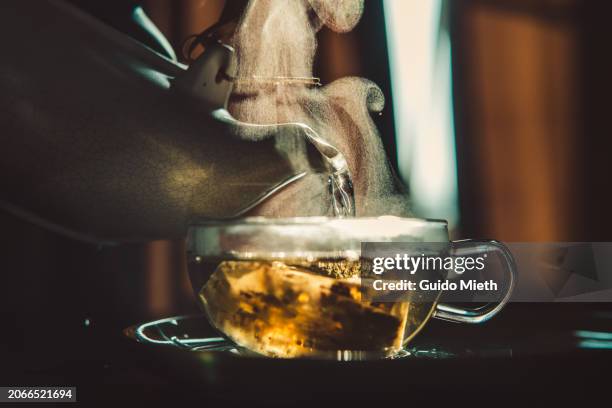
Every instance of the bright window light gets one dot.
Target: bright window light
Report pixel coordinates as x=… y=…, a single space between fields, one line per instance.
x=421 y=77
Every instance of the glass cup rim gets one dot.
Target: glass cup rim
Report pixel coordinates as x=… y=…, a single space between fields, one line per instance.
x=263 y=220
x=324 y=237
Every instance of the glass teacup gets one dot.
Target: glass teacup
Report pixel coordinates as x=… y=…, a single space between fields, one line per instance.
x=292 y=287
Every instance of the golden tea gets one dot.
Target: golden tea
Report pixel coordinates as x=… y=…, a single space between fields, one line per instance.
x=301 y=308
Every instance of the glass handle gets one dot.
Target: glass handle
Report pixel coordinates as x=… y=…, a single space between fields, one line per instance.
x=478 y=315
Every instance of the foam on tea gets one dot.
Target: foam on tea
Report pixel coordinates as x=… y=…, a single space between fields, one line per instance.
x=301 y=309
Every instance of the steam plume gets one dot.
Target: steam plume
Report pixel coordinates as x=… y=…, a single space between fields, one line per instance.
x=277 y=38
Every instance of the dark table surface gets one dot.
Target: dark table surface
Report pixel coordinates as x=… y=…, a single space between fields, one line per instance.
x=530 y=349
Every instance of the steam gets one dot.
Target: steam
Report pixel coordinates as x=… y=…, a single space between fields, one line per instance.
x=277 y=38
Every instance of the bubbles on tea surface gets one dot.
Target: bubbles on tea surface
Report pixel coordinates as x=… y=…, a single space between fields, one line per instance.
x=276 y=44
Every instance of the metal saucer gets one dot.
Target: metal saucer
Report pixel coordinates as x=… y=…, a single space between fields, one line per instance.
x=194 y=333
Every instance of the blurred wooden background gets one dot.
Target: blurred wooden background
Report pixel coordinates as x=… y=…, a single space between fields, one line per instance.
x=531 y=87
